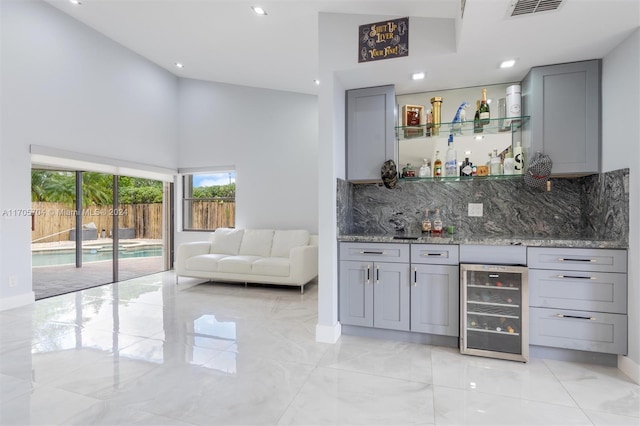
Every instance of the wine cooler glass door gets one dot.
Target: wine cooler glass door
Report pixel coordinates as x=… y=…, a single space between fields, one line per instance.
x=494 y=311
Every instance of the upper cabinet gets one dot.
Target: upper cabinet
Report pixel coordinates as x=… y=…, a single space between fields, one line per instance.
x=370 y=132
x=564 y=104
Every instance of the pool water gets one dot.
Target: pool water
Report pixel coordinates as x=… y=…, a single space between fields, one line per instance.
x=66 y=257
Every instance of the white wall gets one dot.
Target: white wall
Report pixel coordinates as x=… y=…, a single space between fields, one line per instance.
x=270 y=136
x=67 y=87
x=431 y=39
x=620 y=149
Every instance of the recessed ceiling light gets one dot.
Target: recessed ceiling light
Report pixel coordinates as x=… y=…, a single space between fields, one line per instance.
x=258 y=10
x=316 y=82
x=417 y=76
x=508 y=64
x=76 y=2
x=179 y=65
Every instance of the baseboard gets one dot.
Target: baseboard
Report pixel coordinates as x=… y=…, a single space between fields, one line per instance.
x=328 y=333
x=17 y=301
x=629 y=367
x=401 y=336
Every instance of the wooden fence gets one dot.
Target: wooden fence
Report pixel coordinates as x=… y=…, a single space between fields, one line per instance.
x=212 y=214
x=55 y=221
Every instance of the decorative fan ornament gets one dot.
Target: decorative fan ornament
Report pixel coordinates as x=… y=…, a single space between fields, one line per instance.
x=538 y=171
x=389 y=174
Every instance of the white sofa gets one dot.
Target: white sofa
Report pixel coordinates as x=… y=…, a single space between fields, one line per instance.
x=286 y=257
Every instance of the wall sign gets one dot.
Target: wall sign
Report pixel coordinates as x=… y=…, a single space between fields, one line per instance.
x=383 y=40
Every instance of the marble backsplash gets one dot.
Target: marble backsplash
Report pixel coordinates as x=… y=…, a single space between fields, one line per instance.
x=595 y=206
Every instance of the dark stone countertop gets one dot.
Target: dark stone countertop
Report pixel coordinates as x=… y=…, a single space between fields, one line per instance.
x=529 y=241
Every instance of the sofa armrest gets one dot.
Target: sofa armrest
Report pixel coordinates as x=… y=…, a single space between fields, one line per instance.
x=187 y=250
x=304 y=263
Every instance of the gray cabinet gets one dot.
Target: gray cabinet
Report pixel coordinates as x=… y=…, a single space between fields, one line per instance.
x=578 y=299
x=564 y=105
x=370 y=131
x=435 y=289
x=374 y=285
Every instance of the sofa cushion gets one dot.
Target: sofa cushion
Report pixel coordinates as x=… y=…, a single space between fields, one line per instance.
x=256 y=242
x=284 y=241
x=272 y=266
x=226 y=241
x=237 y=264
x=204 y=262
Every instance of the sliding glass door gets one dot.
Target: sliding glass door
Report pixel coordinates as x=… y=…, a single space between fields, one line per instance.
x=91 y=228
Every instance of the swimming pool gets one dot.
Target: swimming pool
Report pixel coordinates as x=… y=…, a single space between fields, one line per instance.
x=91 y=254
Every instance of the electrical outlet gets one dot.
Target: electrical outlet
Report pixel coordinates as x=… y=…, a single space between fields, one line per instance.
x=13 y=281
x=475 y=210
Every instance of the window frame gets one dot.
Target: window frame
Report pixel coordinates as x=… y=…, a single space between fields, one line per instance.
x=188 y=198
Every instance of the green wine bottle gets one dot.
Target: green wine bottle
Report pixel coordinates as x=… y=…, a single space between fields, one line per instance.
x=477 y=126
x=485 y=116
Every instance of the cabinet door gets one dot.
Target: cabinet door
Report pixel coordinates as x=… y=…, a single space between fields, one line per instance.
x=356 y=293
x=391 y=296
x=564 y=104
x=370 y=131
x=435 y=299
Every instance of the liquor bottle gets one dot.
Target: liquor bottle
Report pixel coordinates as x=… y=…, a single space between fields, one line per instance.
x=495 y=164
x=437 y=165
x=429 y=119
x=485 y=116
x=408 y=172
x=425 y=169
x=477 y=125
x=518 y=156
x=437 y=223
x=451 y=163
x=466 y=168
x=509 y=163
x=426 y=222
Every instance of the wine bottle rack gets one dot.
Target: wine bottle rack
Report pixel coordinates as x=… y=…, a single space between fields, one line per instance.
x=494 y=311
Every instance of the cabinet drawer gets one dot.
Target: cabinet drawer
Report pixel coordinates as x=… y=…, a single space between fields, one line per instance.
x=386 y=252
x=440 y=254
x=587 y=291
x=493 y=255
x=581 y=330
x=575 y=259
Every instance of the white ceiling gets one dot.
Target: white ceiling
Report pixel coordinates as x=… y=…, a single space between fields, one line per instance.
x=224 y=41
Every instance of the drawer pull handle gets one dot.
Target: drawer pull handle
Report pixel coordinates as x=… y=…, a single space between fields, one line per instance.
x=368 y=274
x=377 y=275
x=562 y=259
x=415 y=277
x=372 y=252
x=575 y=317
x=440 y=254
x=575 y=277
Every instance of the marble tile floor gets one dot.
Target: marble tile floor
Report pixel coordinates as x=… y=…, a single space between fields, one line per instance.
x=148 y=352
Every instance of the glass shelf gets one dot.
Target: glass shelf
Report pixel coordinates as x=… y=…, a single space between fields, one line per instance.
x=461 y=178
x=495 y=126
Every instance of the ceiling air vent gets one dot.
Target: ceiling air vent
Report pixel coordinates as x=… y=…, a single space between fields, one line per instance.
x=524 y=7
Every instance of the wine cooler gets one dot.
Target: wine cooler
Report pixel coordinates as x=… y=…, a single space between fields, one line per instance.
x=494 y=320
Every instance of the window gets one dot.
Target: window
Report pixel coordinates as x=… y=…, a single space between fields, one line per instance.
x=209 y=200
